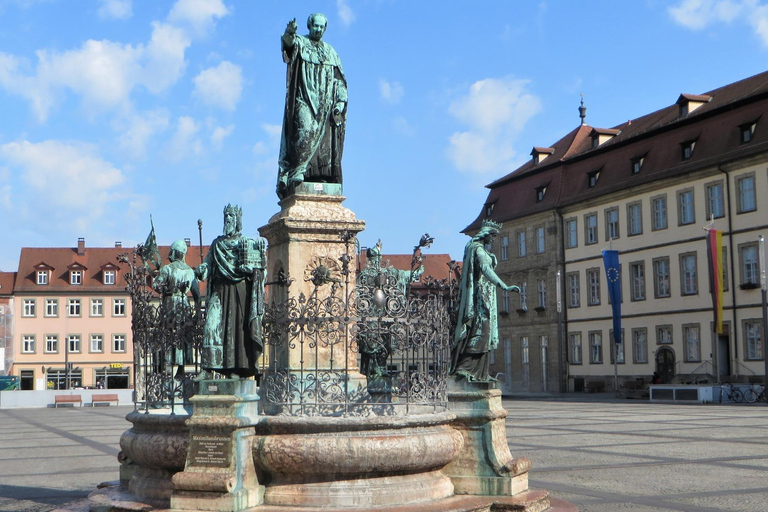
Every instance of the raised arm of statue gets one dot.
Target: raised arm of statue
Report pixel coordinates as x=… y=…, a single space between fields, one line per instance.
x=486 y=263
x=289 y=36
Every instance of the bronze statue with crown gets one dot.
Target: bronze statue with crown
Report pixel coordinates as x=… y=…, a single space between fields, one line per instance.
x=477 y=324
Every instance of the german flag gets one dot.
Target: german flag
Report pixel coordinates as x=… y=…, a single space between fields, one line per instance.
x=715 y=257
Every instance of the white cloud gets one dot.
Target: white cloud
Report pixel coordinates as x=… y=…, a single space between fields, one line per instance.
x=346 y=14
x=496 y=111
x=700 y=14
x=402 y=126
x=103 y=73
x=137 y=130
x=391 y=92
x=200 y=15
x=219 y=134
x=115 y=9
x=71 y=183
x=220 y=86
x=185 y=142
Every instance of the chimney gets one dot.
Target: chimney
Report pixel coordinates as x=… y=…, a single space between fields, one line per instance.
x=81 y=246
x=188 y=241
x=118 y=244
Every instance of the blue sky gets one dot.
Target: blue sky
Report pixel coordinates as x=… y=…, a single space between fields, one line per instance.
x=112 y=110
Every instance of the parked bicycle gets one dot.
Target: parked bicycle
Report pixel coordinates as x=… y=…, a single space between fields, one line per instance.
x=731 y=393
x=754 y=393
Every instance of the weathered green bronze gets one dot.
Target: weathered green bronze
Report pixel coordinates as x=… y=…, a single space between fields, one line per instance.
x=391 y=284
x=174 y=281
x=477 y=330
x=315 y=109
x=235 y=270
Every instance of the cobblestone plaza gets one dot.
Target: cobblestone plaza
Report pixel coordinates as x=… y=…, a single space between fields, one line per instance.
x=602 y=454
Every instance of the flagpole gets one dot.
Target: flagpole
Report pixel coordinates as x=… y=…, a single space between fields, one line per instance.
x=200 y=234
x=764 y=290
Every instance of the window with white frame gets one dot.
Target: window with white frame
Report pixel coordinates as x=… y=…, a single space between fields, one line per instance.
x=659 y=206
x=574 y=341
x=637 y=274
x=118 y=343
x=504 y=248
x=753 y=339
x=634 y=219
x=573 y=290
x=640 y=345
x=572 y=234
x=593 y=279
x=75 y=277
x=692 y=343
x=525 y=359
x=590 y=228
x=109 y=277
x=28 y=344
x=542 y=285
x=73 y=307
x=118 y=307
x=750 y=267
x=595 y=347
x=97 y=307
x=664 y=334
x=689 y=275
x=51 y=343
x=51 y=307
x=746 y=185
x=661 y=277
x=611 y=223
x=42 y=277
x=522 y=250
x=73 y=343
x=685 y=205
x=715 y=200
x=28 y=307
x=97 y=343
x=540 y=245
x=617 y=348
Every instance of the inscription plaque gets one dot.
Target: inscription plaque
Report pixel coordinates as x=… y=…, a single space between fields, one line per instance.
x=210 y=451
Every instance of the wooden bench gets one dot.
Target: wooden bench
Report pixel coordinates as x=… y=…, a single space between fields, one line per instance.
x=67 y=399
x=105 y=399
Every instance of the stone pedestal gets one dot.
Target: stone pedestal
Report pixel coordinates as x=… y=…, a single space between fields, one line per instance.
x=485 y=465
x=305 y=242
x=219 y=473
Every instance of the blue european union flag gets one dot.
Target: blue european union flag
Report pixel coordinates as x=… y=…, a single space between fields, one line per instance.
x=613 y=275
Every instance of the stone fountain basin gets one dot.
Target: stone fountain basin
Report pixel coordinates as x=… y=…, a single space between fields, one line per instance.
x=355 y=461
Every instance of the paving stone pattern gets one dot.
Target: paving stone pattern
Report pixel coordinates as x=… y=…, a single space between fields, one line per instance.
x=602 y=454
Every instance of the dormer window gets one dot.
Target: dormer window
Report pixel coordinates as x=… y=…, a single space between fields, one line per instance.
x=540 y=191
x=75 y=277
x=109 y=273
x=602 y=135
x=42 y=277
x=747 y=131
x=637 y=164
x=109 y=277
x=539 y=154
x=592 y=178
x=690 y=102
x=687 y=148
x=489 y=209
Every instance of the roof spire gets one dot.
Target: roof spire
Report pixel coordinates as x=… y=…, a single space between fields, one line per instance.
x=582 y=110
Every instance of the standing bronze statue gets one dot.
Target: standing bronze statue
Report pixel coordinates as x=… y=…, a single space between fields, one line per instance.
x=314 y=120
x=477 y=329
x=234 y=269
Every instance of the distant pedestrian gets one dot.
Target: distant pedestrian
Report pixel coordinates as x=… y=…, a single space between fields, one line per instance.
x=656 y=379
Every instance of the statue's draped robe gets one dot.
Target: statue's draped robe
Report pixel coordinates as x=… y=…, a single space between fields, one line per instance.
x=311 y=145
x=477 y=324
x=232 y=341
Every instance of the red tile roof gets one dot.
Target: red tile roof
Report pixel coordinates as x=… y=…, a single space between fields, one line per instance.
x=435 y=265
x=656 y=137
x=7 y=280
